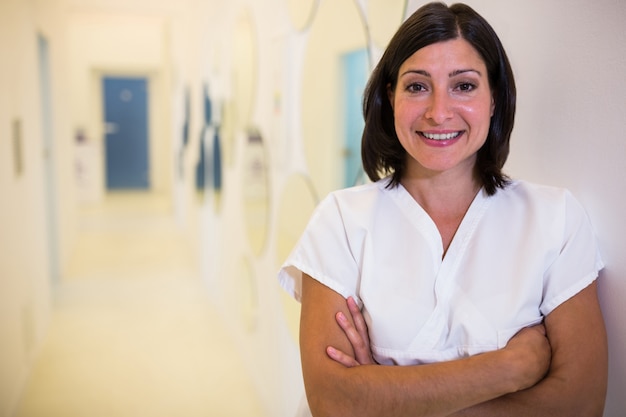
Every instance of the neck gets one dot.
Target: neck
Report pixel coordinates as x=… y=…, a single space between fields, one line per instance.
x=446 y=202
x=439 y=194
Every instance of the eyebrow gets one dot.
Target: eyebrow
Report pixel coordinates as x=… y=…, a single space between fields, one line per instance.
x=452 y=74
x=463 y=71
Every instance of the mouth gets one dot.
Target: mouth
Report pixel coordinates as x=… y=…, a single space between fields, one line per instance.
x=441 y=136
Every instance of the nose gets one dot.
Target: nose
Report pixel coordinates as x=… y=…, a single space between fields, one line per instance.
x=439 y=107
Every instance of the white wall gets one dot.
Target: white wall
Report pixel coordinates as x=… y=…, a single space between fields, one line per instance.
x=568 y=61
x=25 y=275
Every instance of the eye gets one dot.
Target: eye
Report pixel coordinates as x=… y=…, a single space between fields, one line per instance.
x=465 y=87
x=415 y=88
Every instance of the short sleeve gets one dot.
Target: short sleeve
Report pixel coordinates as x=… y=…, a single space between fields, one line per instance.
x=578 y=262
x=322 y=252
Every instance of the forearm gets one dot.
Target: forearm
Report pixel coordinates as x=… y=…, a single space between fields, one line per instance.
x=553 y=397
x=426 y=390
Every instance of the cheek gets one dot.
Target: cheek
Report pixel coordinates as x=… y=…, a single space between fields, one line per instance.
x=478 y=116
x=405 y=114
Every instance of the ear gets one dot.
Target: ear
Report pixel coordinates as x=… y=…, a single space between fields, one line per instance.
x=493 y=105
x=390 y=95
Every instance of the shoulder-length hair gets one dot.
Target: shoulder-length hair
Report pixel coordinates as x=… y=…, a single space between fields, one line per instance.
x=381 y=151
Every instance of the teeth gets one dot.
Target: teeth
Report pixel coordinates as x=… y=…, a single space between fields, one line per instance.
x=442 y=136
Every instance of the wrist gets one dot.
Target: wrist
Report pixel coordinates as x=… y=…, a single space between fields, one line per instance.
x=515 y=373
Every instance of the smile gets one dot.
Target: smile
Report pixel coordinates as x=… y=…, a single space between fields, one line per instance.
x=441 y=136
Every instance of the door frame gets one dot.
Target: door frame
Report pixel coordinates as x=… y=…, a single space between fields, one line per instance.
x=49 y=157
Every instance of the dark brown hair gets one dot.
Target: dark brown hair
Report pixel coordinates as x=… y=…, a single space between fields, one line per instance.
x=381 y=151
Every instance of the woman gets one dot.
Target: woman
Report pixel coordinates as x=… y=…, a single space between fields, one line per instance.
x=467 y=293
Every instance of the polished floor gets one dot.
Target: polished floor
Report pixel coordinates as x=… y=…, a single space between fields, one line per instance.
x=132 y=331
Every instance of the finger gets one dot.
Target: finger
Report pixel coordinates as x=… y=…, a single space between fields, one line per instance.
x=341 y=357
x=359 y=321
x=348 y=328
x=363 y=354
x=360 y=347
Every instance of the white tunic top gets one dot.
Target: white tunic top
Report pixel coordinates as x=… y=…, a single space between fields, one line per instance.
x=516 y=256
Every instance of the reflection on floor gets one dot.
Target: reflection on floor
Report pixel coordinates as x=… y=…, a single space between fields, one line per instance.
x=132 y=331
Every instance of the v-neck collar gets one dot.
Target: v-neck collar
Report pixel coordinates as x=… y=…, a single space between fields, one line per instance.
x=421 y=220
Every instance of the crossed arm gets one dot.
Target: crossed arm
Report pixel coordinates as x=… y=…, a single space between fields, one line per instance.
x=345 y=381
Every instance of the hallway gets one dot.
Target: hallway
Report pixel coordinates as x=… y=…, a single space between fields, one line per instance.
x=132 y=330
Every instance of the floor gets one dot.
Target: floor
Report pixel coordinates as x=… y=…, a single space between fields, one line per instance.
x=133 y=332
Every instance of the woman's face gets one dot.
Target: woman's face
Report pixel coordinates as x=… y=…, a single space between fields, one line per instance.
x=442 y=107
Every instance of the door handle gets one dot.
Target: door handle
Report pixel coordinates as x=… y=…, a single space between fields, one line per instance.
x=111 y=128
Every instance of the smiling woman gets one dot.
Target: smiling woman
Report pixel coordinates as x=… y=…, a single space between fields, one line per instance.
x=442 y=259
x=442 y=106
x=383 y=153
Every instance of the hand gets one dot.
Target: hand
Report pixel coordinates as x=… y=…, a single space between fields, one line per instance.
x=533 y=354
x=358 y=336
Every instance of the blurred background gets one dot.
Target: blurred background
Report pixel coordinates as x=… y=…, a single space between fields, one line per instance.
x=159 y=159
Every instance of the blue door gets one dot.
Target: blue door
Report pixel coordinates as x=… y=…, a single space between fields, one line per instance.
x=355 y=65
x=126 y=121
